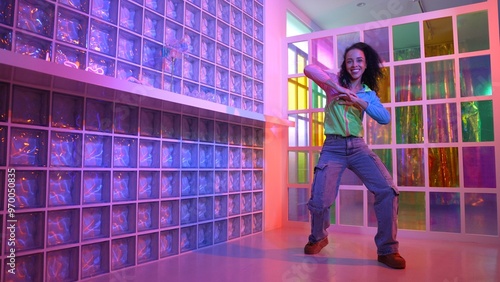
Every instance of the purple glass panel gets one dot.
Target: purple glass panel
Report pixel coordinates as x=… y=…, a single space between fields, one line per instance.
x=479 y=167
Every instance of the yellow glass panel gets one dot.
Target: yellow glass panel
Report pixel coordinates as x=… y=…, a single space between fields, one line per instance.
x=384 y=84
x=443 y=167
x=438 y=37
x=318 y=135
x=412 y=210
x=292 y=94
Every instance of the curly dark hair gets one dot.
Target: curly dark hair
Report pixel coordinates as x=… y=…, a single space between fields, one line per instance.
x=373 y=70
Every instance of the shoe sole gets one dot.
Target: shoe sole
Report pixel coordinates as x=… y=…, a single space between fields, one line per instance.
x=321 y=245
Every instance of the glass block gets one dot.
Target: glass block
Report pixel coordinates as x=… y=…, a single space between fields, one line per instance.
x=258 y=90
x=247 y=65
x=207 y=73
x=63 y=227
x=208 y=24
x=64 y=188
x=258 y=180
x=151 y=78
x=223 y=11
x=258 y=32
x=438 y=45
x=169 y=243
x=234 y=134
x=95 y=259
x=258 y=12
x=124 y=152
x=156 y=5
x=247 y=45
x=378 y=38
x=170 y=154
x=126 y=119
x=247 y=25
x=205 y=234
x=153 y=26
x=234 y=157
x=257 y=201
x=222 y=55
x=247 y=105
x=131 y=16
x=258 y=51
x=188 y=211
x=233 y=204
x=412 y=213
x=440 y=77
x=191 y=68
x=258 y=137
x=222 y=78
x=34 y=47
x=233 y=228
x=129 y=47
x=236 y=39
x=209 y=94
x=124 y=185
x=122 y=252
x=149 y=185
x=442 y=123
x=206 y=183
x=246 y=225
x=408 y=82
x=258 y=70
x=475 y=76
x=235 y=82
x=99 y=115
x=150 y=123
x=258 y=158
x=479 y=167
x=247 y=135
x=175 y=10
x=221 y=182
x=234 y=181
x=67 y=111
x=406 y=41
x=208 y=6
x=101 y=65
x=377 y=133
x=30 y=105
x=222 y=97
x=147 y=247
x=205 y=208
x=477 y=121
x=444 y=212
x=149 y=153
x=152 y=56
x=96 y=187
x=5 y=37
x=106 y=10
x=410 y=164
x=28 y=147
x=247 y=87
x=37 y=17
x=30 y=189
x=191 y=89
x=220 y=207
x=65 y=149
x=246 y=203
x=72 y=27
x=248 y=7
x=102 y=37
x=147 y=216
x=123 y=219
x=169 y=213
x=188 y=238
x=246 y=159
x=409 y=125
x=257 y=225
x=237 y=3
x=236 y=17
x=170 y=184
x=62 y=265
x=7 y=12
x=222 y=33
x=206 y=156
x=95 y=223
x=220 y=231
x=192 y=17
x=189 y=185
x=207 y=49
x=170 y=126
x=481 y=211
x=27 y=267
x=190 y=128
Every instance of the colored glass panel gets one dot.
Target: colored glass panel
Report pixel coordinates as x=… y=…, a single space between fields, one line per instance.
x=298 y=167
x=475 y=76
x=298 y=98
x=297 y=204
x=438 y=37
x=411 y=210
x=377 y=133
x=409 y=125
x=410 y=167
x=479 y=167
x=481 y=213
x=378 y=38
x=299 y=135
x=473 y=32
x=384 y=86
x=442 y=123
x=322 y=52
x=408 y=82
x=440 y=77
x=297 y=57
x=351 y=207
x=385 y=156
x=443 y=167
x=444 y=212
x=477 y=121
x=318 y=96
x=318 y=135
x=406 y=41
x=333 y=213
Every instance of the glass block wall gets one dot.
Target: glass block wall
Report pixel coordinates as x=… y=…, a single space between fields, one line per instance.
x=208 y=49
x=440 y=145
x=97 y=179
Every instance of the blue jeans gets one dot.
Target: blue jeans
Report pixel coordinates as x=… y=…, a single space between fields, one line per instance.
x=337 y=154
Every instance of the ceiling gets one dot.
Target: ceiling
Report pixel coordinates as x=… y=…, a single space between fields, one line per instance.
x=328 y=14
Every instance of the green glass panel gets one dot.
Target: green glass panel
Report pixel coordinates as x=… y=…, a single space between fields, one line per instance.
x=298 y=136
x=440 y=77
x=351 y=207
x=385 y=156
x=343 y=42
x=322 y=52
x=378 y=38
x=298 y=167
x=406 y=41
x=333 y=218
x=408 y=82
x=318 y=135
x=473 y=32
x=409 y=125
x=475 y=76
x=410 y=167
x=442 y=123
x=438 y=37
x=411 y=210
x=477 y=121
x=377 y=133
x=384 y=84
x=444 y=212
x=481 y=213
x=443 y=167
x=318 y=96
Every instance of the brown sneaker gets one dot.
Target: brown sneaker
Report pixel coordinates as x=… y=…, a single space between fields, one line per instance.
x=314 y=248
x=393 y=260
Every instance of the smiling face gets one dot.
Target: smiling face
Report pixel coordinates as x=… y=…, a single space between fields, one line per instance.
x=355 y=63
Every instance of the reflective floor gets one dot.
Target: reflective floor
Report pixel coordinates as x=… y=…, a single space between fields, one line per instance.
x=277 y=255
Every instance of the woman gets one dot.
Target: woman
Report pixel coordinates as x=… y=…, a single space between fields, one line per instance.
x=349 y=95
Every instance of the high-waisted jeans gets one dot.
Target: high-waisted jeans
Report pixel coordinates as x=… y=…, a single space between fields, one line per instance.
x=337 y=154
